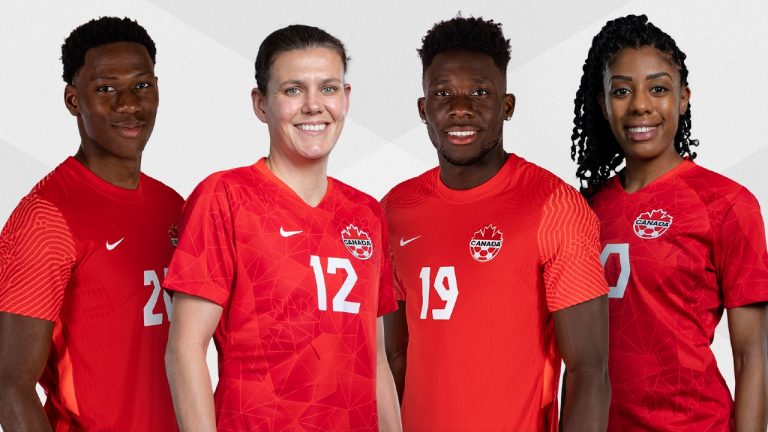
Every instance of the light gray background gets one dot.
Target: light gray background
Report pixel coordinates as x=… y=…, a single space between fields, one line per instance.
x=205 y=64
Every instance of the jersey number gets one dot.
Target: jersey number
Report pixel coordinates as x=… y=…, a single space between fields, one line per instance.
x=622 y=249
x=152 y=280
x=340 y=303
x=446 y=287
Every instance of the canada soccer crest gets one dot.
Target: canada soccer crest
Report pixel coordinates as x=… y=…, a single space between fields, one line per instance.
x=486 y=243
x=652 y=224
x=357 y=242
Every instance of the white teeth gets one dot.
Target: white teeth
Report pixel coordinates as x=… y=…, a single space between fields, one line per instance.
x=462 y=133
x=312 y=127
x=641 y=129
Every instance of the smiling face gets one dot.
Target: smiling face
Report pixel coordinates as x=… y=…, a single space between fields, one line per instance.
x=464 y=106
x=305 y=103
x=643 y=100
x=114 y=98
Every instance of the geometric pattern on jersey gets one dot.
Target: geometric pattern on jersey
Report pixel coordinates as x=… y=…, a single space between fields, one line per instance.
x=251 y=245
x=481 y=350
x=90 y=257
x=712 y=255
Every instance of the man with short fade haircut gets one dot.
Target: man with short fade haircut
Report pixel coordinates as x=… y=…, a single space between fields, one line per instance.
x=85 y=252
x=496 y=263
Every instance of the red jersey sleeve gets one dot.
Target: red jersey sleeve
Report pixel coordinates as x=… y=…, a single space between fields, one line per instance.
x=740 y=253
x=37 y=254
x=569 y=244
x=387 y=302
x=204 y=261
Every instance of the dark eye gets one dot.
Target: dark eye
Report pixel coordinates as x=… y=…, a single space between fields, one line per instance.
x=620 y=92
x=105 y=88
x=659 y=89
x=480 y=92
x=441 y=93
x=143 y=85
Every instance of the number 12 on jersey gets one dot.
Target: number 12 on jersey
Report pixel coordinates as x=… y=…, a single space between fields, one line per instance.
x=446 y=287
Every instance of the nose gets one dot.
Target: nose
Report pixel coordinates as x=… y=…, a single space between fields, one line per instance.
x=312 y=103
x=641 y=103
x=127 y=101
x=461 y=106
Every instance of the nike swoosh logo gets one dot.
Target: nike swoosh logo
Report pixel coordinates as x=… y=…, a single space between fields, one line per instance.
x=285 y=233
x=404 y=242
x=111 y=246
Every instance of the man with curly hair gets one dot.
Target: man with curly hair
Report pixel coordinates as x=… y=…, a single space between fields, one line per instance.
x=83 y=255
x=496 y=263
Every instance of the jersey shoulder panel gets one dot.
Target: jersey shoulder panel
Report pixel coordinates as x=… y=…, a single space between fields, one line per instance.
x=410 y=192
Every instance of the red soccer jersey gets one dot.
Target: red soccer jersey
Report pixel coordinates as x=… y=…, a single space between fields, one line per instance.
x=90 y=256
x=481 y=272
x=677 y=251
x=301 y=289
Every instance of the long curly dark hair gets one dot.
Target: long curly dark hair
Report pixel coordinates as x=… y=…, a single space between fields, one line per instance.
x=594 y=148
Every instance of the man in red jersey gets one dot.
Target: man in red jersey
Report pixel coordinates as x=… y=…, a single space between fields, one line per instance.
x=286 y=268
x=84 y=255
x=496 y=263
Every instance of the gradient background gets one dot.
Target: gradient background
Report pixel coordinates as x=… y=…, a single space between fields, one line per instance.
x=205 y=65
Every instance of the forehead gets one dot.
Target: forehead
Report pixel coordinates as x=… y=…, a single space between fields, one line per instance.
x=461 y=65
x=644 y=61
x=117 y=59
x=295 y=64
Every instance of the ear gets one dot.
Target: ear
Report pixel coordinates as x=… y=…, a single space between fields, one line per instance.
x=685 y=97
x=509 y=105
x=347 y=93
x=259 y=100
x=601 y=101
x=422 y=111
x=71 y=100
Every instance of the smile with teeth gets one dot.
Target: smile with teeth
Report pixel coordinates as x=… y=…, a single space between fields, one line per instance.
x=312 y=127
x=462 y=133
x=641 y=129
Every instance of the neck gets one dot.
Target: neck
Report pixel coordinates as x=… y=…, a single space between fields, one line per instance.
x=308 y=179
x=461 y=177
x=122 y=173
x=640 y=173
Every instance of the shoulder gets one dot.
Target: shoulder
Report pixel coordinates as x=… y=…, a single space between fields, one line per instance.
x=717 y=190
x=227 y=180
x=411 y=190
x=354 y=195
x=159 y=188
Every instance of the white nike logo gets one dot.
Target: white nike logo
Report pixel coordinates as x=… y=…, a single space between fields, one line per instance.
x=111 y=246
x=405 y=242
x=285 y=233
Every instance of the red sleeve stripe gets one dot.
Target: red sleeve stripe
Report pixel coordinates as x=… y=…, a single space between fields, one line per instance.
x=37 y=253
x=569 y=247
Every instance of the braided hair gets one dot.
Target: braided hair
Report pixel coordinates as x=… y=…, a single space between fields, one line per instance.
x=594 y=148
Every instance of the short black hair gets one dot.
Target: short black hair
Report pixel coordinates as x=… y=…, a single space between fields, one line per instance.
x=471 y=34
x=293 y=37
x=97 y=32
x=593 y=146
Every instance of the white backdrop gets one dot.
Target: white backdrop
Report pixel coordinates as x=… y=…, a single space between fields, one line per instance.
x=205 y=64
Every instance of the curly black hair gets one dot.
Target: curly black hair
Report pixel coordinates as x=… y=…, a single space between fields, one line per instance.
x=97 y=32
x=594 y=148
x=472 y=34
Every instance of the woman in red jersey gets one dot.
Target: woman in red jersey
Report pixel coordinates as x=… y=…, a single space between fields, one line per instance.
x=285 y=268
x=680 y=243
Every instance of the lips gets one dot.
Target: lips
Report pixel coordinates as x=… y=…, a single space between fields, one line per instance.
x=129 y=128
x=461 y=135
x=642 y=132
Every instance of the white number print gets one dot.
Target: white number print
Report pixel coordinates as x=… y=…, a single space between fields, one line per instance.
x=152 y=280
x=622 y=249
x=447 y=293
x=340 y=303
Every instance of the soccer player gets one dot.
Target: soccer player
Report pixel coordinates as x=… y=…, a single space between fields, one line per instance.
x=680 y=243
x=286 y=268
x=82 y=257
x=496 y=262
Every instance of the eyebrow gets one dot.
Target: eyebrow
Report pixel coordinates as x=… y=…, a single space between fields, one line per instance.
x=302 y=82
x=647 y=77
x=440 y=81
x=112 y=77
